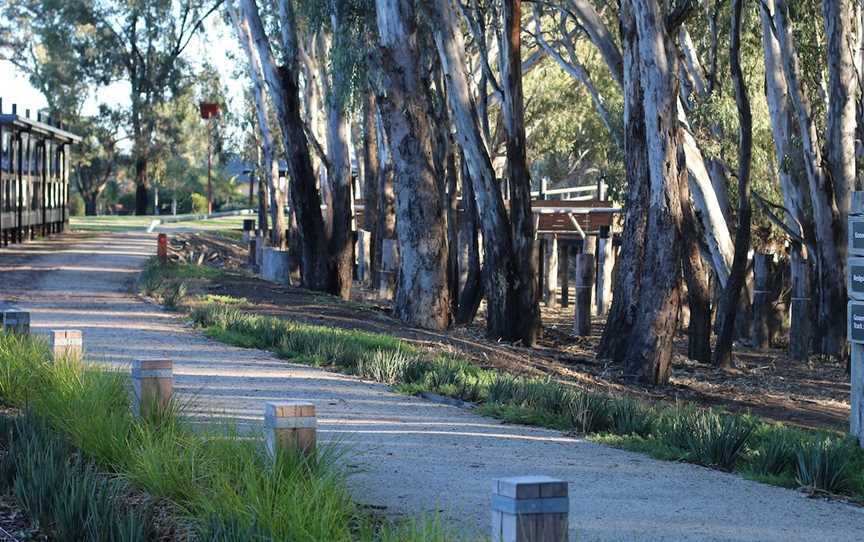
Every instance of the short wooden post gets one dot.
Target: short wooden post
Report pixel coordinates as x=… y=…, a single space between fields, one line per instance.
x=762 y=300
x=800 y=311
x=290 y=426
x=550 y=271
x=389 y=268
x=855 y=315
x=67 y=344
x=162 y=248
x=530 y=509
x=152 y=384
x=564 y=274
x=15 y=321
x=582 y=298
x=605 y=263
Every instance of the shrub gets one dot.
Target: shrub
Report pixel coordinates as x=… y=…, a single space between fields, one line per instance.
x=775 y=453
x=631 y=417
x=823 y=465
x=174 y=295
x=199 y=204
x=718 y=439
x=589 y=412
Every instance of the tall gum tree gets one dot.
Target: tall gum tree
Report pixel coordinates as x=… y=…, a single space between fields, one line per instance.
x=422 y=294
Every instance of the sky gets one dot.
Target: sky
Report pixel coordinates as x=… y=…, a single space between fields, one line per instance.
x=216 y=45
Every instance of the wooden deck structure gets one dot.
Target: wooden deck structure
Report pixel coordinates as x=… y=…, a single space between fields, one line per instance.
x=34 y=177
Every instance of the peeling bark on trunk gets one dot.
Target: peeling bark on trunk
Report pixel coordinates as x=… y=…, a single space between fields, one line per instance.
x=500 y=270
x=526 y=309
x=628 y=272
x=830 y=268
x=472 y=291
x=422 y=296
x=698 y=287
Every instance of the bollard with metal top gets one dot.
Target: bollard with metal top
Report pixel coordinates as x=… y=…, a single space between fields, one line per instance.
x=530 y=509
x=67 y=344
x=153 y=385
x=290 y=426
x=15 y=321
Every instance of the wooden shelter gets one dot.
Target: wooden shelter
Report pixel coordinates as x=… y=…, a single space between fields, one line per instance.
x=34 y=177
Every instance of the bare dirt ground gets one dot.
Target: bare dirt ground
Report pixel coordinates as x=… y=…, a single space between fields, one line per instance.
x=764 y=382
x=406 y=455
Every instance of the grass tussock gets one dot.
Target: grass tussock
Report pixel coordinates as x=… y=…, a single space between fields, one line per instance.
x=767 y=452
x=81 y=440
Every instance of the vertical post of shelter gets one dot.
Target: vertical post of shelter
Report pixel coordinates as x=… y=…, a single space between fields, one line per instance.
x=564 y=266
x=762 y=300
x=152 y=384
x=605 y=263
x=583 y=288
x=550 y=268
x=290 y=426
x=162 y=248
x=67 y=344
x=855 y=314
x=530 y=509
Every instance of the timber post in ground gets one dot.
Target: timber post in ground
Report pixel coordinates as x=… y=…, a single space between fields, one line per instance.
x=564 y=265
x=582 y=295
x=15 y=321
x=152 y=384
x=67 y=344
x=762 y=268
x=605 y=263
x=800 y=309
x=855 y=314
x=530 y=509
x=550 y=270
x=290 y=426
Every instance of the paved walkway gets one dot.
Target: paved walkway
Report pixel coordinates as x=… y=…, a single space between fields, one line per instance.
x=408 y=455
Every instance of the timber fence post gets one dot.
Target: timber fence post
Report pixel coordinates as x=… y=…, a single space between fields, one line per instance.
x=762 y=266
x=800 y=310
x=605 y=263
x=550 y=271
x=530 y=509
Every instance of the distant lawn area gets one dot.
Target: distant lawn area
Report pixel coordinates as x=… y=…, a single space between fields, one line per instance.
x=118 y=223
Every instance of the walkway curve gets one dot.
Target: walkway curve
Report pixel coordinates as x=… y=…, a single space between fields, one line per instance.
x=408 y=455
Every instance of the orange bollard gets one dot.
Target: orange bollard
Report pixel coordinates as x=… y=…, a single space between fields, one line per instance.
x=162 y=248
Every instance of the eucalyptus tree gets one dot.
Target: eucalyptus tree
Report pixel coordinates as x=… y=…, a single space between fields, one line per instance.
x=270 y=164
x=98 y=156
x=422 y=294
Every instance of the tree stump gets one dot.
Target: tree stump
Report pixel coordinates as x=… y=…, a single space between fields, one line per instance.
x=290 y=426
x=152 y=385
x=762 y=298
x=530 y=509
x=583 y=289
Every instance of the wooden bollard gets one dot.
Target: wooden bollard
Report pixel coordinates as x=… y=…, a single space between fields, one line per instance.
x=530 y=509
x=550 y=271
x=290 y=426
x=162 y=248
x=67 y=344
x=15 y=321
x=153 y=385
x=582 y=295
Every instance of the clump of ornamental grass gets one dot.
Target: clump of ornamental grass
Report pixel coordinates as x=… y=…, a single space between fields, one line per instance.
x=823 y=465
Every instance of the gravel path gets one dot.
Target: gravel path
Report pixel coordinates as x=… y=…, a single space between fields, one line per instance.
x=408 y=455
